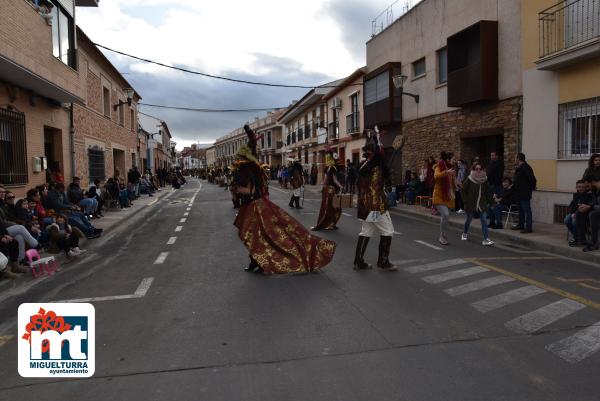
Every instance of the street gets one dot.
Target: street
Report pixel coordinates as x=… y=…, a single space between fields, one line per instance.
x=177 y=318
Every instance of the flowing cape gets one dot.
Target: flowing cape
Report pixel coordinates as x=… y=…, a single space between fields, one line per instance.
x=328 y=215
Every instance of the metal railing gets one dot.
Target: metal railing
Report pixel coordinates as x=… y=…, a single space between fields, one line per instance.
x=13 y=148
x=567 y=24
x=579 y=129
x=353 y=123
x=388 y=16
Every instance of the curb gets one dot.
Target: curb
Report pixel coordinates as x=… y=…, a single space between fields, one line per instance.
x=6 y=284
x=574 y=253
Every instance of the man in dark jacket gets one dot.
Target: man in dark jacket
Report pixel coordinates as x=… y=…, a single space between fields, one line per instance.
x=579 y=209
x=76 y=197
x=524 y=184
x=495 y=173
x=503 y=201
x=133 y=177
x=590 y=214
x=57 y=200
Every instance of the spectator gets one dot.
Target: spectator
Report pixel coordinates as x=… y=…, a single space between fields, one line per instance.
x=10 y=249
x=579 y=208
x=95 y=192
x=502 y=203
x=590 y=214
x=443 y=192
x=57 y=200
x=495 y=173
x=56 y=176
x=592 y=172
x=461 y=175
x=62 y=238
x=351 y=176
x=37 y=197
x=76 y=197
x=133 y=177
x=413 y=188
x=477 y=198
x=24 y=217
x=17 y=231
x=524 y=185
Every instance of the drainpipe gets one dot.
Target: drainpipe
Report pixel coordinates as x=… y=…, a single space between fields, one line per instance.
x=72 y=141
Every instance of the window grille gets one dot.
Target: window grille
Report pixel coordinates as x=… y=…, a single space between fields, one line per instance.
x=13 y=149
x=579 y=129
x=96 y=163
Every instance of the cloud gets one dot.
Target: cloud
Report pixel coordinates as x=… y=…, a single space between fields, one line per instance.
x=307 y=42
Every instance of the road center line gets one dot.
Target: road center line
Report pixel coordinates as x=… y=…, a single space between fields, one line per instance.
x=186 y=214
x=171 y=240
x=437 y=248
x=178 y=228
x=140 y=292
x=161 y=258
x=183 y=220
x=346 y=214
x=188 y=209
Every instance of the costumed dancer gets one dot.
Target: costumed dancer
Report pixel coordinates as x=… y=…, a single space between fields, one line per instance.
x=276 y=242
x=372 y=206
x=297 y=182
x=328 y=215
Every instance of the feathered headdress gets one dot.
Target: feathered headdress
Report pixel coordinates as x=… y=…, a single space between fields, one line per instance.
x=251 y=139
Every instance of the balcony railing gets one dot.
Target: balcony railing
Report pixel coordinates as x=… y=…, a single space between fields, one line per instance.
x=568 y=24
x=334 y=130
x=307 y=130
x=300 y=134
x=353 y=123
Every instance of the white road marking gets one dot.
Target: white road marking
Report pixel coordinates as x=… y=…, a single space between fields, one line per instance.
x=397 y=233
x=440 y=278
x=542 y=317
x=178 y=228
x=435 y=265
x=153 y=202
x=183 y=220
x=507 y=298
x=405 y=262
x=437 y=248
x=478 y=285
x=161 y=258
x=171 y=240
x=140 y=292
x=578 y=346
x=346 y=214
x=186 y=214
x=188 y=209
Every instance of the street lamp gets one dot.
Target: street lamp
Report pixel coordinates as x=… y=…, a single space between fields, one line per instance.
x=129 y=92
x=399 y=81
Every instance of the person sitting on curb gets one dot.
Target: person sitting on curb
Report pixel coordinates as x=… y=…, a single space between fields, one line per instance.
x=76 y=197
x=10 y=249
x=57 y=200
x=62 y=238
x=580 y=205
x=477 y=198
x=590 y=214
x=503 y=199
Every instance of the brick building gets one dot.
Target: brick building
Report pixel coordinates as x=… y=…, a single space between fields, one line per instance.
x=39 y=81
x=105 y=126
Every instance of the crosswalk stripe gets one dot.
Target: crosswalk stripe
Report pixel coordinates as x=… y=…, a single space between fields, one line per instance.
x=478 y=285
x=542 y=317
x=435 y=265
x=507 y=298
x=440 y=278
x=578 y=346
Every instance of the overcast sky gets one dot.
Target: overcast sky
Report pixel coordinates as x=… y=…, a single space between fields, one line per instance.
x=299 y=42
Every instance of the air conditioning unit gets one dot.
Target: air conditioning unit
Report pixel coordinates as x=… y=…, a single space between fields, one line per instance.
x=337 y=103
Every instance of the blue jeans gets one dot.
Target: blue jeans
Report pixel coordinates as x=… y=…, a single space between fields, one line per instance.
x=571 y=226
x=89 y=205
x=525 y=216
x=482 y=218
x=79 y=221
x=497 y=213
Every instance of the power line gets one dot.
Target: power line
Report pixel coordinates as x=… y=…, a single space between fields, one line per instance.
x=217 y=76
x=211 y=110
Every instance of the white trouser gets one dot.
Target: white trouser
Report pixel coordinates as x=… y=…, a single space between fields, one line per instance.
x=382 y=223
x=297 y=192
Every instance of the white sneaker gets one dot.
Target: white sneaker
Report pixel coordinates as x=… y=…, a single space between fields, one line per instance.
x=487 y=242
x=460 y=211
x=75 y=252
x=79 y=251
x=71 y=254
x=464 y=237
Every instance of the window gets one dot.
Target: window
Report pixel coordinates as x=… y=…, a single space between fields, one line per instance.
x=354 y=103
x=63 y=46
x=96 y=163
x=419 y=68
x=121 y=115
x=132 y=120
x=269 y=139
x=13 y=151
x=262 y=141
x=106 y=101
x=377 y=88
x=579 y=130
x=442 y=66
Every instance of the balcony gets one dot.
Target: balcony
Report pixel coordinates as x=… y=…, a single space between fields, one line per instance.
x=569 y=32
x=307 y=130
x=300 y=134
x=353 y=123
x=333 y=132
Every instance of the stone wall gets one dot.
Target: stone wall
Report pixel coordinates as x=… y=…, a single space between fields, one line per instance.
x=453 y=130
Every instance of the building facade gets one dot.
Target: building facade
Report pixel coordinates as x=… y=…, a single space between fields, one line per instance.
x=39 y=83
x=160 y=151
x=561 y=97
x=269 y=142
x=460 y=58
x=105 y=126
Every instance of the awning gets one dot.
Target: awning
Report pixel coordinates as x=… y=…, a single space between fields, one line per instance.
x=20 y=76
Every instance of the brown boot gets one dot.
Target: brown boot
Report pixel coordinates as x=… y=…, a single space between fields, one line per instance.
x=385 y=242
x=361 y=247
x=15 y=267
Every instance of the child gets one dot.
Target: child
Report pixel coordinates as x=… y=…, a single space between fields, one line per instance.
x=583 y=196
x=62 y=238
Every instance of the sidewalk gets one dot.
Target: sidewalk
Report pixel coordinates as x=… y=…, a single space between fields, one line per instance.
x=108 y=223
x=545 y=237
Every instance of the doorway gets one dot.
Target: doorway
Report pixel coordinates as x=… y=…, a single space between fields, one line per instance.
x=119 y=162
x=53 y=147
x=481 y=146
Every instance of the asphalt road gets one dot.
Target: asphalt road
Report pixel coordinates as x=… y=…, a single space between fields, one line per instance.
x=463 y=322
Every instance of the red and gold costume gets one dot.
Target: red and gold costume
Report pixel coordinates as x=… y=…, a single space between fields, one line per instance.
x=277 y=243
x=328 y=215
